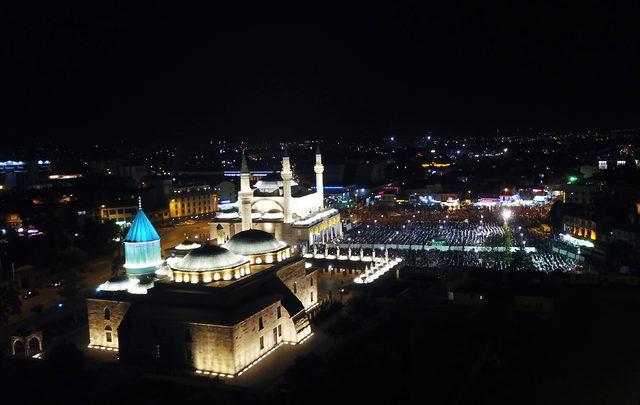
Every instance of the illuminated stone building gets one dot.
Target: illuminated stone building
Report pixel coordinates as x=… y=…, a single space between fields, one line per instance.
x=216 y=310
x=120 y=214
x=272 y=207
x=188 y=201
x=580 y=226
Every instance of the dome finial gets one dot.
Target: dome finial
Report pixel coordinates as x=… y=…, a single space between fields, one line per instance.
x=318 y=148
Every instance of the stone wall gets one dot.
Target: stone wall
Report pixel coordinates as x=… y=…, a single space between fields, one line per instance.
x=174 y=343
x=303 y=283
x=97 y=322
x=213 y=348
x=247 y=334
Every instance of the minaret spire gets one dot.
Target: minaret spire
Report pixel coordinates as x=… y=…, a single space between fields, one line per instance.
x=286 y=186
x=245 y=194
x=319 y=169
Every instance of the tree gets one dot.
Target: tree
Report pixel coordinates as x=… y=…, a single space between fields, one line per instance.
x=521 y=261
x=507 y=243
x=116 y=263
x=9 y=304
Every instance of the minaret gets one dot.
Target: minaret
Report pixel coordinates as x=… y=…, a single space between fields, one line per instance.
x=245 y=194
x=286 y=185
x=319 y=168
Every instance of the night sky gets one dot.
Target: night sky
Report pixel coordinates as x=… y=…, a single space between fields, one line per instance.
x=90 y=70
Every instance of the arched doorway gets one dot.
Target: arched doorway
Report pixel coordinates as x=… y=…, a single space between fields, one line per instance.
x=18 y=348
x=265 y=205
x=35 y=347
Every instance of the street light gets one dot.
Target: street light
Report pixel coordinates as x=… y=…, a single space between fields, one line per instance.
x=506 y=215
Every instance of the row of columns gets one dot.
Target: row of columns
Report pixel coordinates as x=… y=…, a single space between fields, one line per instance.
x=326 y=235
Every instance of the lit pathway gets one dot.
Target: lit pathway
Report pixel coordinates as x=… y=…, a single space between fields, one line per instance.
x=269 y=372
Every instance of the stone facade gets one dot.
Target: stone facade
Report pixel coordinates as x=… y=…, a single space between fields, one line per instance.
x=180 y=344
x=324 y=230
x=232 y=273
x=104 y=317
x=265 y=325
x=303 y=283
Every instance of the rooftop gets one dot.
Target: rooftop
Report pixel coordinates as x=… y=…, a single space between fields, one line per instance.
x=141 y=230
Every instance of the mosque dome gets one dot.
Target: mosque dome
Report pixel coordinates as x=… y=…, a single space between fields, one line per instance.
x=253 y=242
x=271 y=182
x=209 y=257
x=187 y=245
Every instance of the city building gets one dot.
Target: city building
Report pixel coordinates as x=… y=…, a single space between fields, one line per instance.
x=21 y=175
x=581 y=193
x=13 y=220
x=192 y=200
x=582 y=227
x=120 y=214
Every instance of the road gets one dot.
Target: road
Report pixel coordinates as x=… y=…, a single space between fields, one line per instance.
x=95 y=272
x=172 y=236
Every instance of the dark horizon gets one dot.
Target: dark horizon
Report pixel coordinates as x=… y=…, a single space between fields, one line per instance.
x=88 y=72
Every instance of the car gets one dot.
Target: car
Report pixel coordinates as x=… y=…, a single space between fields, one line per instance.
x=29 y=294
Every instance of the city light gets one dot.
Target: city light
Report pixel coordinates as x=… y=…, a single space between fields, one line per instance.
x=506 y=215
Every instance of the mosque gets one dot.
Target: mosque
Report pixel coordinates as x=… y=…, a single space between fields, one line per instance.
x=214 y=309
x=271 y=206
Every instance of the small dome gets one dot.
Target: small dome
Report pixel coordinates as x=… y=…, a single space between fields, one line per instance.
x=187 y=245
x=272 y=182
x=253 y=242
x=209 y=257
x=117 y=283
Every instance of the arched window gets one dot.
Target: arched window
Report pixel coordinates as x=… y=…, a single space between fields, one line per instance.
x=107 y=314
x=107 y=333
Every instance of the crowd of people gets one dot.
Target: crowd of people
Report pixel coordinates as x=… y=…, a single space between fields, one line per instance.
x=465 y=227
x=483 y=232
x=532 y=216
x=550 y=261
x=542 y=261
x=442 y=260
